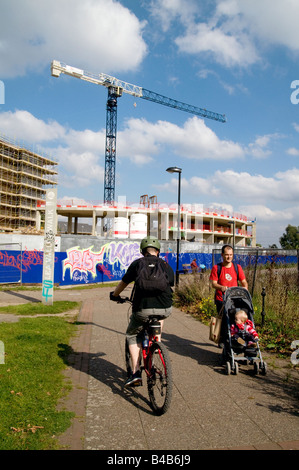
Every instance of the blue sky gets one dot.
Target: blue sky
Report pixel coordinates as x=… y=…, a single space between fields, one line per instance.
x=234 y=57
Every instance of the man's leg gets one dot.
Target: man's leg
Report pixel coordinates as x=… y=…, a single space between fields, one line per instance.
x=134 y=328
x=134 y=350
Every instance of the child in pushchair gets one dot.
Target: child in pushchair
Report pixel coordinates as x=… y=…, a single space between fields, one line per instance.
x=239 y=337
x=242 y=331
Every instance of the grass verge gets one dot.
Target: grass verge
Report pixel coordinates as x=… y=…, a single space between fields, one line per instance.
x=39 y=308
x=32 y=383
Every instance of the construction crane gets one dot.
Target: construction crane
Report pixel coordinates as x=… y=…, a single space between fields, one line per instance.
x=115 y=89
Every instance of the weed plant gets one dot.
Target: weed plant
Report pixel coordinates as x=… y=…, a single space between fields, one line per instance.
x=195 y=296
x=281 y=307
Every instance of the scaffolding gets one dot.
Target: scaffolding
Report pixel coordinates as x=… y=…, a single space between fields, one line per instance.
x=24 y=177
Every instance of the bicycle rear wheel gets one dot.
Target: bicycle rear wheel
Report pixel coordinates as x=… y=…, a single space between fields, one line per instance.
x=159 y=380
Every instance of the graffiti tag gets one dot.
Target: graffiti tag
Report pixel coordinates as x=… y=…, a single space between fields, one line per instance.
x=82 y=260
x=24 y=261
x=89 y=262
x=47 y=289
x=122 y=253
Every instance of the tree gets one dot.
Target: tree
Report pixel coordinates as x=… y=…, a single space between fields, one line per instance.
x=290 y=239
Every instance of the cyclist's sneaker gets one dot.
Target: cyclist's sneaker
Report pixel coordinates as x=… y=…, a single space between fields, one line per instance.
x=134 y=380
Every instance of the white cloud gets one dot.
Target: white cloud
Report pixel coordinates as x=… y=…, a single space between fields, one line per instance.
x=259 y=148
x=264 y=214
x=141 y=140
x=272 y=201
x=273 y=21
x=296 y=126
x=229 y=50
x=203 y=185
x=166 y=11
x=86 y=140
x=78 y=169
x=66 y=200
x=235 y=32
x=283 y=186
x=256 y=196
x=96 y=35
x=22 y=125
x=81 y=155
x=250 y=190
x=293 y=151
x=137 y=141
x=270 y=223
x=78 y=152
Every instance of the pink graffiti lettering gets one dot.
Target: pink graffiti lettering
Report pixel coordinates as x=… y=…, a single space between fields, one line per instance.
x=24 y=260
x=102 y=269
x=82 y=260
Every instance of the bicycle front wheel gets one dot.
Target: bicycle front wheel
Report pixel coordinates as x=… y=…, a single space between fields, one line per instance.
x=159 y=380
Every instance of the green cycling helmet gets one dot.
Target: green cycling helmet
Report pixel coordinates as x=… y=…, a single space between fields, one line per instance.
x=150 y=242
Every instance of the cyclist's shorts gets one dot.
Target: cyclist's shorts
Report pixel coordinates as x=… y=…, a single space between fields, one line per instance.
x=138 y=318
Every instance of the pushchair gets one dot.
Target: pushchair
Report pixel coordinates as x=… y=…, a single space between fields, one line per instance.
x=234 y=299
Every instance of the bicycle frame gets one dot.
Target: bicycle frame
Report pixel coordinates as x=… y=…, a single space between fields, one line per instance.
x=146 y=355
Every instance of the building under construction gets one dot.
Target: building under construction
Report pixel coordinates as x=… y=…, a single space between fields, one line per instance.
x=24 y=178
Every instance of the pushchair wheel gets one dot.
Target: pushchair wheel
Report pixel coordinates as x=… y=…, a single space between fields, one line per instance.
x=236 y=368
x=228 y=368
x=263 y=367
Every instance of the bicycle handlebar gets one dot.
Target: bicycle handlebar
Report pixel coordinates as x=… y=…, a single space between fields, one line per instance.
x=119 y=299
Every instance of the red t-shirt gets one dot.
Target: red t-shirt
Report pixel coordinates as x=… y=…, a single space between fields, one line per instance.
x=228 y=277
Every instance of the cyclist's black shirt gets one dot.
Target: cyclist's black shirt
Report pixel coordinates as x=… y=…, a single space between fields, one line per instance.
x=164 y=300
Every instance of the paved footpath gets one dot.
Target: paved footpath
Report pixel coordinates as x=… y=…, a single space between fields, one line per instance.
x=209 y=411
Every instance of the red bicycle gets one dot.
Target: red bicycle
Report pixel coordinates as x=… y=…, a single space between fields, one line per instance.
x=156 y=365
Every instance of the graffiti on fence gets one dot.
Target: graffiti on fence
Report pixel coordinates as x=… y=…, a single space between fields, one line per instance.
x=77 y=265
x=118 y=255
x=22 y=261
x=122 y=253
x=84 y=261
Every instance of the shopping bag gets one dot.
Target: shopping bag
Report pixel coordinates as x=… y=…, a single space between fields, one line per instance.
x=215 y=328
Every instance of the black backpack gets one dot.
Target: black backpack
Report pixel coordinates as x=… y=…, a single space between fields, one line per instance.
x=219 y=267
x=152 y=278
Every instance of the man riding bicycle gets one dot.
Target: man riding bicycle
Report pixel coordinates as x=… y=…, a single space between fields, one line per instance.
x=144 y=303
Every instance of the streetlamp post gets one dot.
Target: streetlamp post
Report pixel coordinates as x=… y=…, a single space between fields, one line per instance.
x=234 y=230
x=175 y=169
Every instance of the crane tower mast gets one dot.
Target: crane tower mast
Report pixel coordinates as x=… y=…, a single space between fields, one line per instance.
x=115 y=89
